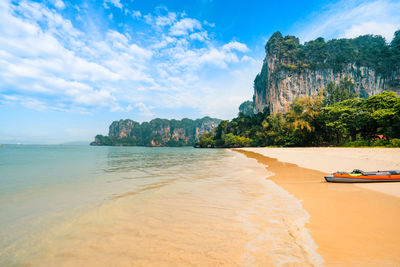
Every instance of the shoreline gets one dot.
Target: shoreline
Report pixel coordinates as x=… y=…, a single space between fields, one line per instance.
x=349 y=224
x=216 y=209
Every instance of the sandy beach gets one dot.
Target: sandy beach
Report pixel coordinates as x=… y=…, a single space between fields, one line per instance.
x=352 y=225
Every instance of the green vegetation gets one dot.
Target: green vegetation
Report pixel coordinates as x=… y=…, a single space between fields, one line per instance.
x=336 y=118
x=337 y=93
x=247 y=108
x=367 y=50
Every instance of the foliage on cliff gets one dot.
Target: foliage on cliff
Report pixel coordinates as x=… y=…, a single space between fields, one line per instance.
x=247 y=108
x=367 y=50
x=316 y=121
x=157 y=132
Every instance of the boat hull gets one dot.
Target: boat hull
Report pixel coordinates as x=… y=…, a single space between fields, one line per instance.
x=331 y=178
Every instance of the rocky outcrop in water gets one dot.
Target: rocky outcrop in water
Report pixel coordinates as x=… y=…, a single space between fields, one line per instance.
x=157 y=132
x=291 y=70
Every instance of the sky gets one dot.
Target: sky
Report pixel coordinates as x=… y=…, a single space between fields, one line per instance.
x=70 y=68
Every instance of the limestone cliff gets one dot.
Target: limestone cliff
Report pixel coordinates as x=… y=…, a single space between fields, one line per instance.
x=291 y=69
x=157 y=132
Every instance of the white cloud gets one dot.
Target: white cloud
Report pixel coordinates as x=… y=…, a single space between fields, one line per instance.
x=218 y=57
x=134 y=49
x=136 y=14
x=36 y=61
x=28 y=102
x=212 y=25
x=201 y=36
x=184 y=26
x=59 y=4
x=118 y=40
x=249 y=59
x=116 y=3
x=144 y=109
x=384 y=29
x=128 y=108
x=353 y=18
x=165 y=20
x=236 y=46
x=49 y=63
x=148 y=18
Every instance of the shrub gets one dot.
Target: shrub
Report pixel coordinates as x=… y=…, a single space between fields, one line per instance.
x=358 y=143
x=395 y=142
x=232 y=140
x=379 y=142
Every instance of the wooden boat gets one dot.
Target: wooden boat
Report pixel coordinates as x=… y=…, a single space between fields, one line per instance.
x=358 y=176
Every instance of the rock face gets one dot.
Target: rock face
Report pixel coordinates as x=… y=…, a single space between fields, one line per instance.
x=123 y=128
x=291 y=70
x=157 y=132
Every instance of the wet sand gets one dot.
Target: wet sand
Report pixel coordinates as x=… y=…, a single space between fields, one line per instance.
x=222 y=212
x=352 y=226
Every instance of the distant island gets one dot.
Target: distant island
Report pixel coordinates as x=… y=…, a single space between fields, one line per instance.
x=157 y=132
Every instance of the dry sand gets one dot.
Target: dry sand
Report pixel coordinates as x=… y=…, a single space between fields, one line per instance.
x=329 y=160
x=351 y=225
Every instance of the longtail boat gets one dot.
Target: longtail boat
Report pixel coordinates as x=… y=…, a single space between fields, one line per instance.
x=358 y=176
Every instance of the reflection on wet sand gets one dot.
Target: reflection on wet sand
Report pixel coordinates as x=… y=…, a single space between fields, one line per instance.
x=146 y=188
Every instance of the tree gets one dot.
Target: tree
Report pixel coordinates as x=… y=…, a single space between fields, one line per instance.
x=276 y=130
x=395 y=50
x=302 y=118
x=338 y=121
x=384 y=110
x=246 y=108
x=337 y=93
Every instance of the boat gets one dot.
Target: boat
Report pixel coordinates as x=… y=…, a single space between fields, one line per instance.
x=358 y=176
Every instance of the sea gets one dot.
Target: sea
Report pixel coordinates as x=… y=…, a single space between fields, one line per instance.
x=75 y=205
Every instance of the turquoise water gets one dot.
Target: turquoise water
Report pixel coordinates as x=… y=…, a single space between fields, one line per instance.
x=139 y=206
x=41 y=185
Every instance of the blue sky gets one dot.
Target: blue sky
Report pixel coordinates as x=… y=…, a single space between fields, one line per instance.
x=69 y=68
